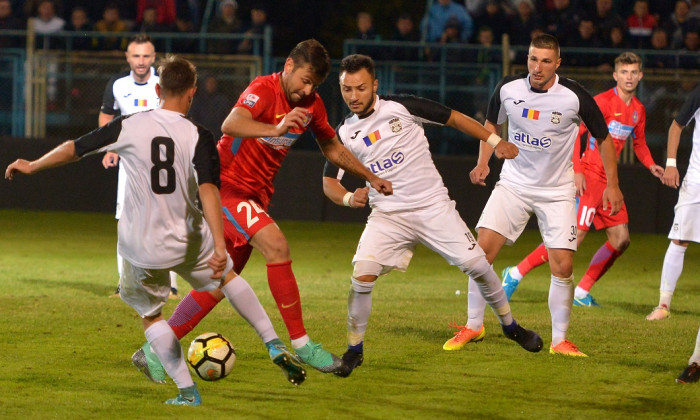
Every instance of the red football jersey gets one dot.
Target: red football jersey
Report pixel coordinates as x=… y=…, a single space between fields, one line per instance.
x=249 y=165
x=623 y=121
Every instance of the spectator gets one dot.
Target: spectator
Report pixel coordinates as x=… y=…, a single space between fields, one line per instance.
x=562 y=21
x=679 y=23
x=585 y=38
x=659 y=43
x=111 y=23
x=150 y=23
x=31 y=7
x=226 y=23
x=46 y=23
x=617 y=39
x=606 y=18
x=258 y=22
x=478 y=7
x=165 y=11
x=79 y=22
x=451 y=35
x=210 y=106
x=495 y=18
x=365 y=27
x=640 y=25
x=690 y=60
x=405 y=31
x=524 y=22
x=8 y=21
x=435 y=20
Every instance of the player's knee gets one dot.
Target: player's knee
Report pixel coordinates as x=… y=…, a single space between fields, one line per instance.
x=622 y=245
x=367 y=271
x=476 y=267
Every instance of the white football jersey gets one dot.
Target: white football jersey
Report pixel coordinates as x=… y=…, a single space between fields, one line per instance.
x=544 y=125
x=391 y=143
x=165 y=156
x=690 y=110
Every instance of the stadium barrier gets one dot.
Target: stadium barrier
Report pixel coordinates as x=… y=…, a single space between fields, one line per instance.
x=87 y=186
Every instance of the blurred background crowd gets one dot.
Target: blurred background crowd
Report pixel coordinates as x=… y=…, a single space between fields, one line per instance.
x=622 y=24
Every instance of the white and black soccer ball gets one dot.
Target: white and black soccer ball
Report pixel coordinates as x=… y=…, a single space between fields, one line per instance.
x=212 y=356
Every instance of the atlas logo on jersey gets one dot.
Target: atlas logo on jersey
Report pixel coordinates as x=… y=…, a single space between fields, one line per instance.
x=531 y=142
x=388 y=164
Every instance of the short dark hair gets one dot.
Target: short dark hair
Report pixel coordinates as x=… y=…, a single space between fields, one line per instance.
x=356 y=62
x=140 y=38
x=314 y=54
x=547 y=42
x=176 y=74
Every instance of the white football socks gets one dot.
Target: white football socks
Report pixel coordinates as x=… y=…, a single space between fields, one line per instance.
x=245 y=302
x=561 y=296
x=167 y=347
x=695 y=358
x=359 y=310
x=671 y=271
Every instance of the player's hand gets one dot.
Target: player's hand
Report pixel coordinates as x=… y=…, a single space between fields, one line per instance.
x=612 y=198
x=110 y=160
x=294 y=119
x=580 y=182
x=506 y=150
x=217 y=263
x=21 y=166
x=671 y=177
x=382 y=186
x=657 y=171
x=478 y=175
x=359 y=198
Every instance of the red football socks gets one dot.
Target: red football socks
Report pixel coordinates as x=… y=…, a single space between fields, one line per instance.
x=190 y=311
x=601 y=262
x=536 y=258
x=284 y=289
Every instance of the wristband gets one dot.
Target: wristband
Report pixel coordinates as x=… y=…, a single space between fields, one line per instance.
x=346 y=199
x=493 y=140
x=671 y=162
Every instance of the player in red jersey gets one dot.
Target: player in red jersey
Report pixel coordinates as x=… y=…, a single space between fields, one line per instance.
x=268 y=118
x=626 y=117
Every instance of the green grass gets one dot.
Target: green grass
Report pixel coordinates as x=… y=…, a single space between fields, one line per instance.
x=65 y=346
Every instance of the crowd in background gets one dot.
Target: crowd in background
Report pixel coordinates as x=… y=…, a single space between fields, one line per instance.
x=663 y=25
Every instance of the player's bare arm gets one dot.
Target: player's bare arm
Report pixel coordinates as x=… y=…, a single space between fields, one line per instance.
x=671 y=177
x=340 y=156
x=60 y=155
x=612 y=196
x=470 y=126
x=211 y=206
x=336 y=192
x=104 y=119
x=478 y=175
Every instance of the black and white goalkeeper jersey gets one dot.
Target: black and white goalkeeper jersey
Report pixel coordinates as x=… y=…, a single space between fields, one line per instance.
x=391 y=143
x=166 y=156
x=544 y=125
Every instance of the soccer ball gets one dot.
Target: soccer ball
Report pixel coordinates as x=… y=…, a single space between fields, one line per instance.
x=212 y=356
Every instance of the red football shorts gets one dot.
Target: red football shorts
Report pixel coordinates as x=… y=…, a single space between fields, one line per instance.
x=243 y=218
x=590 y=208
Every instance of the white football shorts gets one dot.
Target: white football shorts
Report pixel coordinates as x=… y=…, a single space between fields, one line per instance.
x=508 y=211
x=390 y=238
x=147 y=289
x=686 y=221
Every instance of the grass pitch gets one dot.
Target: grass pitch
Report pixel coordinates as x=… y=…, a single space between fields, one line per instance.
x=65 y=345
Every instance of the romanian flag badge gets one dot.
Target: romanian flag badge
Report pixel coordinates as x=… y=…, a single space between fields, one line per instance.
x=140 y=102
x=531 y=114
x=372 y=138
